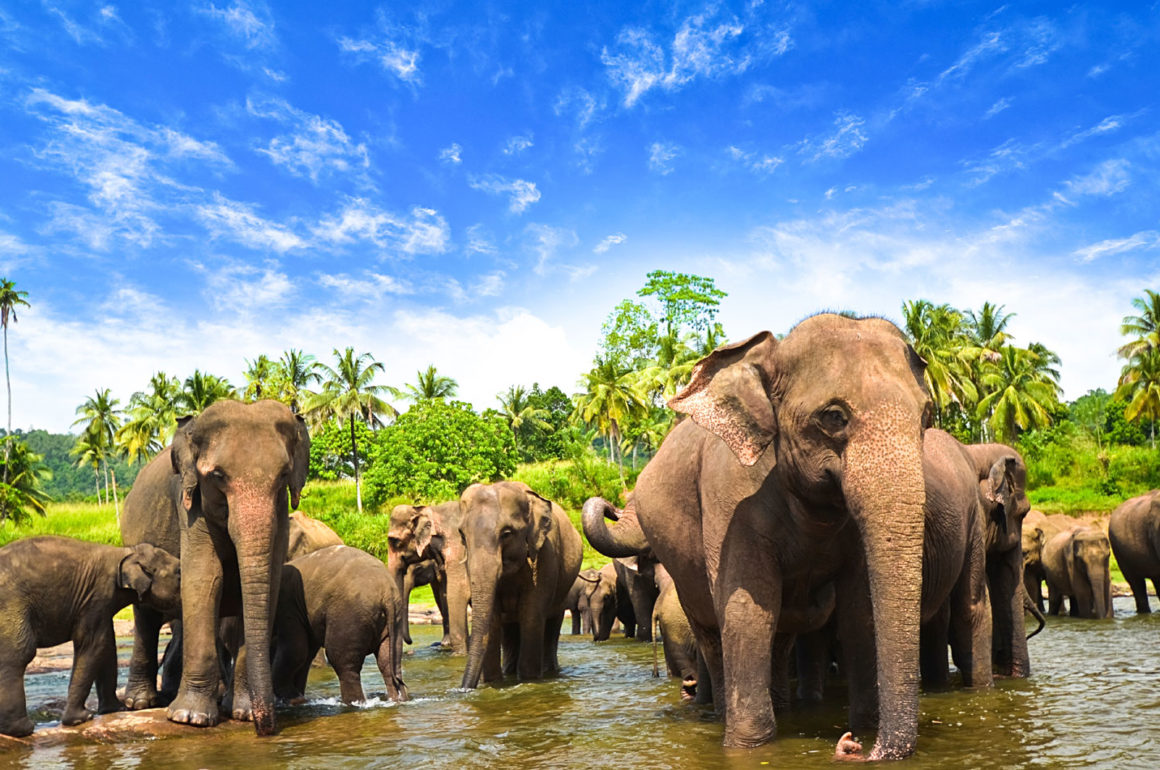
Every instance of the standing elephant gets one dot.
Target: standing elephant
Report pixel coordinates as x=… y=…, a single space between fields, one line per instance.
x=577 y=601
x=56 y=589
x=635 y=561
x=677 y=638
x=608 y=602
x=1134 y=531
x=1003 y=486
x=1076 y=564
x=801 y=465
x=308 y=535
x=424 y=532
x=346 y=600
x=523 y=554
x=1037 y=530
x=222 y=491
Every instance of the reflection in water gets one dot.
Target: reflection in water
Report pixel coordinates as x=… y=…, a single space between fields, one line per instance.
x=1092 y=702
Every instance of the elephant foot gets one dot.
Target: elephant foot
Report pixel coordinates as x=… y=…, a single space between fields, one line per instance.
x=140 y=696
x=688 y=689
x=239 y=707
x=751 y=734
x=17 y=728
x=192 y=709
x=75 y=715
x=848 y=749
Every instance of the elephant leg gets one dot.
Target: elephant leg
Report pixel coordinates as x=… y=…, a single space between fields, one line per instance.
x=1009 y=651
x=292 y=656
x=439 y=591
x=643 y=598
x=201 y=590
x=458 y=594
x=492 y=670
x=1155 y=590
x=552 y=644
x=392 y=671
x=710 y=668
x=17 y=649
x=348 y=667
x=531 y=653
x=141 y=689
x=783 y=645
x=855 y=619
x=971 y=633
x=932 y=655
x=94 y=656
x=171 y=663
x=106 y=679
x=1054 y=598
x=813 y=652
x=237 y=702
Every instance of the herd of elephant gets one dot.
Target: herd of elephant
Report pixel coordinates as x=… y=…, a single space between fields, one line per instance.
x=806 y=511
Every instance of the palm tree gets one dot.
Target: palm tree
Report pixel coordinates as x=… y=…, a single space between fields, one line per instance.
x=260 y=374
x=430 y=385
x=298 y=371
x=22 y=492
x=611 y=393
x=152 y=418
x=201 y=389
x=349 y=395
x=987 y=329
x=101 y=419
x=88 y=452
x=1145 y=327
x=518 y=409
x=10 y=299
x=936 y=333
x=1020 y=396
x=1140 y=386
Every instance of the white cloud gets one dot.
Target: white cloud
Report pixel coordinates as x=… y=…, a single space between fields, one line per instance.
x=246 y=288
x=546 y=241
x=394 y=57
x=315 y=145
x=992 y=43
x=580 y=103
x=370 y=287
x=517 y=144
x=661 y=156
x=252 y=24
x=847 y=139
x=237 y=221
x=1109 y=178
x=451 y=154
x=996 y=108
x=757 y=162
x=1108 y=125
x=490 y=285
x=423 y=232
x=522 y=193
x=1146 y=239
x=609 y=241
x=480 y=241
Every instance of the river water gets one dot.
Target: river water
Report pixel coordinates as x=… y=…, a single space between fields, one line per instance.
x=1093 y=701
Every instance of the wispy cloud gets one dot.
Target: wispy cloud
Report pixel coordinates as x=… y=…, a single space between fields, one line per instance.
x=369 y=287
x=480 y=241
x=608 y=242
x=394 y=57
x=579 y=103
x=758 y=162
x=1109 y=178
x=847 y=138
x=1108 y=125
x=238 y=222
x=423 y=232
x=1145 y=239
x=451 y=154
x=546 y=241
x=102 y=21
x=996 y=108
x=314 y=147
x=992 y=43
x=250 y=23
x=661 y=156
x=521 y=192
x=246 y=288
x=517 y=144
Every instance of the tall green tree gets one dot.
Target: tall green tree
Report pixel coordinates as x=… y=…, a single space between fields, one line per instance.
x=1143 y=329
x=1139 y=386
x=1020 y=396
x=610 y=394
x=348 y=395
x=430 y=384
x=10 y=299
x=522 y=415
x=23 y=494
x=101 y=419
x=987 y=329
x=151 y=418
x=262 y=376
x=689 y=302
x=936 y=332
x=299 y=371
x=201 y=389
x=89 y=453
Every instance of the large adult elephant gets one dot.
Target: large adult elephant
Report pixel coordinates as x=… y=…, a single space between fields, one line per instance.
x=801 y=465
x=1003 y=486
x=1134 y=530
x=430 y=533
x=523 y=555
x=635 y=560
x=220 y=495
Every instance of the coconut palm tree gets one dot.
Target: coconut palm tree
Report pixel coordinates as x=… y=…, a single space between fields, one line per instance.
x=1144 y=328
x=611 y=393
x=1020 y=396
x=987 y=329
x=10 y=299
x=1140 y=386
x=101 y=419
x=349 y=395
x=23 y=492
x=88 y=452
x=151 y=418
x=430 y=385
x=299 y=370
x=201 y=389
x=517 y=408
x=261 y=375
x=936 y=333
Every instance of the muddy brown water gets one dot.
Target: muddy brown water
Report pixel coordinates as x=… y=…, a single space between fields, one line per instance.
x=1093 y=701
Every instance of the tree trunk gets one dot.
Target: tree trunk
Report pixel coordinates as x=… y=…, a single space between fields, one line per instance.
x=116 y=502
x=8 y=435
x=357 y=479
x=97 y=477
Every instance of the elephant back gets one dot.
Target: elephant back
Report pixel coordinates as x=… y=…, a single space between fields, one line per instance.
x=150 y=515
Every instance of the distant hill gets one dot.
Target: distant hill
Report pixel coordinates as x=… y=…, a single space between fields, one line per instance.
x=69 y=482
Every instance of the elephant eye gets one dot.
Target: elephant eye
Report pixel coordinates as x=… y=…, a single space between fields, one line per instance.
x=218 y=474
x=506 y=532
x=833 y=419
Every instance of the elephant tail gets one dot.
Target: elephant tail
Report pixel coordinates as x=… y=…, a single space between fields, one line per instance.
x=1030 y=606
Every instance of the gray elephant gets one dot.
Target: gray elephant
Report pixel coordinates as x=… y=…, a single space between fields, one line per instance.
x=346 y=600
x=678 y=642
x=56 y=589
x=801 y=466
x=1038 y=528
x=577 y=601
x=608 y=602
x=1076 y=565
x=523 y=555
x=308 y=535
x=635 y=562
x=420 y=533
x=1134 y=531
x=221 y=494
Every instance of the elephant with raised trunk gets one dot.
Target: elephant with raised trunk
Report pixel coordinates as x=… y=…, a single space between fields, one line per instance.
x=221 y=496
x=801 y=466
x=1134 y=531
x=634 y=559
x=424 y=544
x=523 y=555
x=1077 y=566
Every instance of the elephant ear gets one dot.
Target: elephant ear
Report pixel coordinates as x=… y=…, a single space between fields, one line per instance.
x=183 y=454
x=135 y=572
x=729 y=396
x=301 y=462
x=540 y=511
x=998 y=489
x=424 y=531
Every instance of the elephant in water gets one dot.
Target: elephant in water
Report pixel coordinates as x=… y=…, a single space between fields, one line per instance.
x=680 y=646
x=56 y=589
x=1077 y=566
x=1134 y=531
x=634 y=559
x=523 y=555
x=577 y=601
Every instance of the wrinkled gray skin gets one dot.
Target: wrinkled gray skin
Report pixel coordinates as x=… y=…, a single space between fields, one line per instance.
x=636 y=587
x=426 y=573
x=223 y=490
x=577 y=601
x=1076 y=563
x=420 y=533
x=56 y=589
x=608 y=602
x=346 y=600
x=523 y=555
x=1037 y=530
x=1134 y=531
x=1003 y=486
x=802 y=465
x=308 y=535
x=680 y=646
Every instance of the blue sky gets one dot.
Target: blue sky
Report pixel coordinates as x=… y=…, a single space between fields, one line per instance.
x=476 y=186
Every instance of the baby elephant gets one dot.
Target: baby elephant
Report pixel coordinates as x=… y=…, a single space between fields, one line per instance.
x=345 y=600
x=56 y=589
x=1076 y=563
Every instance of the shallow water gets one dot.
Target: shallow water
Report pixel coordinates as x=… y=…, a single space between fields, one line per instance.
x=1093 y=701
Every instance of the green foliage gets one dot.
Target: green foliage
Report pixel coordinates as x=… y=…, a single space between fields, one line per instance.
x=570 y=482
x=435 y=450
x=24 y=473
x=689 y=302
x=84 y=521
x=68 y=482
x=630 y=335
x=330 y=450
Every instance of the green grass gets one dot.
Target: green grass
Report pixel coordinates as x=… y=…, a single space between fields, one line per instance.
x=84 y=521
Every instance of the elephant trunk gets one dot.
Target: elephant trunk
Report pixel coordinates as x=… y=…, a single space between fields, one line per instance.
x=625 y=539
x=484 y=585
x=260 y=569
x=885 y=490
x=1101 y=594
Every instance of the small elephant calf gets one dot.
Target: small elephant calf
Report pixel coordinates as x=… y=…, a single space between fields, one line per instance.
x=56 y=589
x=345 y=600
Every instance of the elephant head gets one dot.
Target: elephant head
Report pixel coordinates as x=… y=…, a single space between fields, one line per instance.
x=242 y=467
x=504 y=527
x=1033 y=542
x=153 y=574
x=842 y=406
x=409 y=537
x=1089 y=554
x=1004 y=494
x=601 y=597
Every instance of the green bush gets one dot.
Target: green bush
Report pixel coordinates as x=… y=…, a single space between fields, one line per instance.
x=571 y=482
